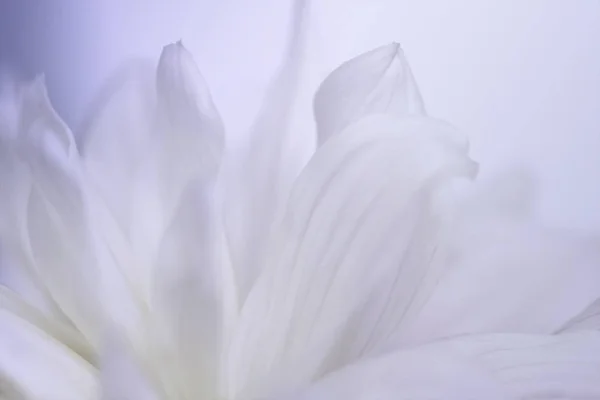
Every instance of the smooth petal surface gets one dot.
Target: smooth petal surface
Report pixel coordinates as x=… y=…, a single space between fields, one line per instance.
x=46 y=227
x=377 y=82
x=59 y=330
x=120 y=376
x=116 y=138
x=358 y=218
x=259 y=177
x=35 y=366
x=194 y=133
x=501 y=366
x=506 y=271
x=194 y=294
x=188 y=145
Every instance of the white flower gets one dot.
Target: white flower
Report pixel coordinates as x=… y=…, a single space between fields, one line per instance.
x=153 y=262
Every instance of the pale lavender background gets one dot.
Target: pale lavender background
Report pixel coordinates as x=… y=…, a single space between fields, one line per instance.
x=522 y=78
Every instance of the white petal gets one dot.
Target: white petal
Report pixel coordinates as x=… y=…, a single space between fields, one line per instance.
x=38 y=367
x=194 y=136
x=188 y=145
x=23 y=281
x=44 y=213
x=474 y=367
x=195 y=293
x=120 y=377
x=116 y=137
x=507 y=275
x=358 y=217
x=51 y=325
x=259 y=177
x=379 y=81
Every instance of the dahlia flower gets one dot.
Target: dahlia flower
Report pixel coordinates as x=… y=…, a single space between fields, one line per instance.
x=151 y=261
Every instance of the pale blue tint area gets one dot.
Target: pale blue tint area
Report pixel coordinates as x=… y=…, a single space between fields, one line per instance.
x=520 y=77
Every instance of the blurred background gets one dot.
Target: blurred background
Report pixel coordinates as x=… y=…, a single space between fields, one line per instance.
x=522 y=78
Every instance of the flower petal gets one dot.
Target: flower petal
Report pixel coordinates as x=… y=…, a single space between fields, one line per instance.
x=259 y=175
x=53 y=327
x=116 y=137
x=507 y=274
x=45 y=227
x=194 y=132
x=188 y=144
x=35 y=366
x=120 y=376
x=379 y=81
x=195 y=293
x=474 y=367
x=358 y=217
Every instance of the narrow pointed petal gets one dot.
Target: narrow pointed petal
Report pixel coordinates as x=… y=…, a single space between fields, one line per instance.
x=45 y=227
x=35 y=366
x=377 y=82
x=194 y=133
x=116 y=137
x=195 y=293
x=188 y=144
x=507 y=367
x=359 y=218
x=260 y=176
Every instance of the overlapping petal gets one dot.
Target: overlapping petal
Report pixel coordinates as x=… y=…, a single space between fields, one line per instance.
x=377 y=82
x=45 y=225
x=359 y=217
x=506 y=271
x=35 y=366
x=500 y=366
x=259 y=175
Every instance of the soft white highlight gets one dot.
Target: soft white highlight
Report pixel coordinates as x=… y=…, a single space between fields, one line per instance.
x=363 y=263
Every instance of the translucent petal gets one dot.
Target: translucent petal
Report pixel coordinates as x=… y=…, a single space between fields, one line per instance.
x=59 y=330
x=358 y=216
x=120 y=375
x=259 y=175
x=194 y=133
x=46 y=227
x=507 y=273
x=377 y=82
x=116 y=137
x=35 y=366
x=194 y=289
x=194 y=294
x=498 y=366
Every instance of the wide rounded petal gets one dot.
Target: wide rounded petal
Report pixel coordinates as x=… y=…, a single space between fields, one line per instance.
x=506 y=272
x=502 y=366
x=358 y=223
x=35 y=366
x=377 y=82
